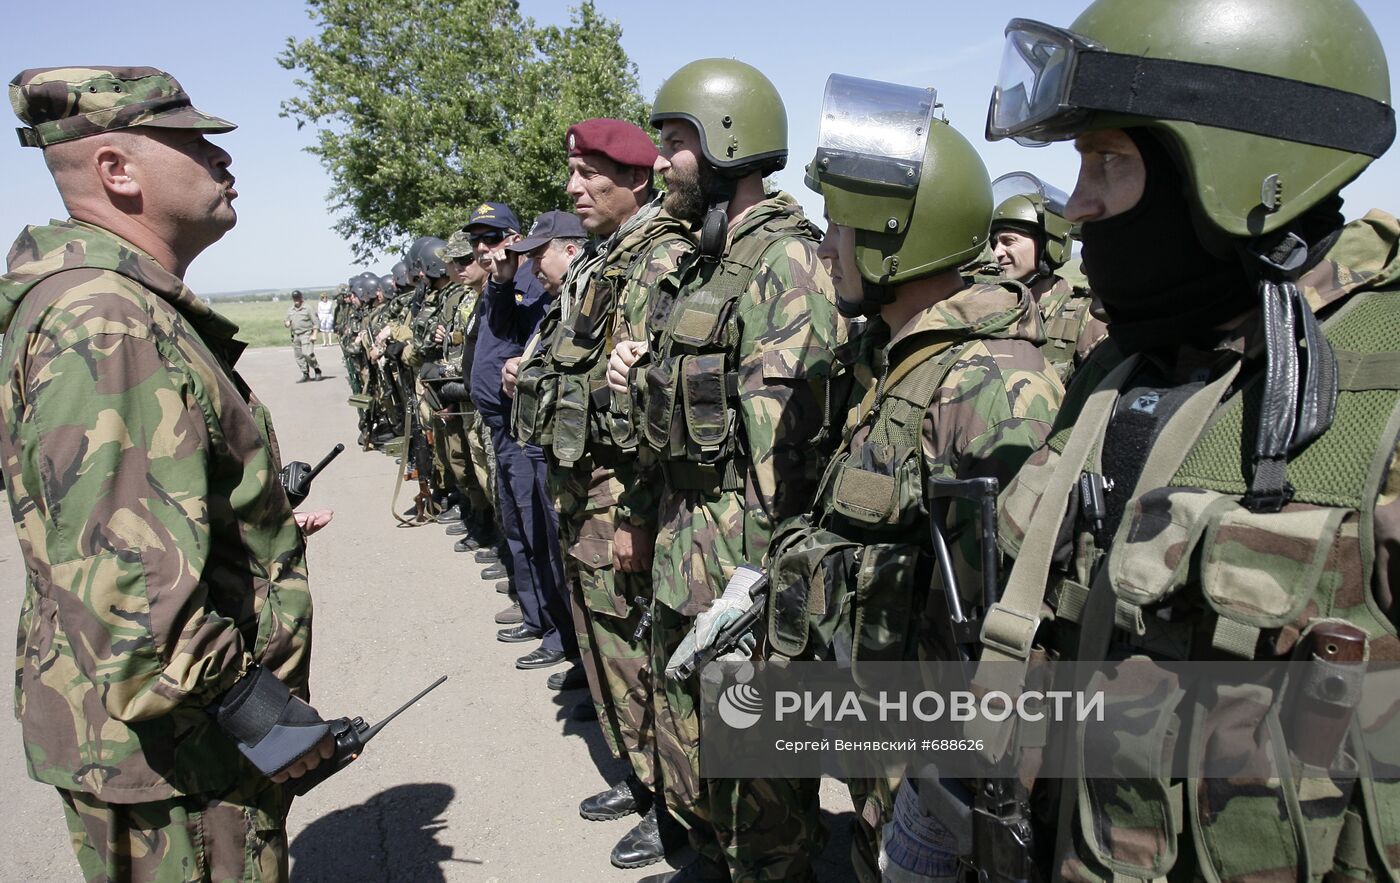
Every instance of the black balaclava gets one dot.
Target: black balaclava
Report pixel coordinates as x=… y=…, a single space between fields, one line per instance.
x=1159 y=285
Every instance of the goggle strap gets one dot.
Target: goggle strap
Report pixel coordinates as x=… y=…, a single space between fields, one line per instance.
x=1226 y=98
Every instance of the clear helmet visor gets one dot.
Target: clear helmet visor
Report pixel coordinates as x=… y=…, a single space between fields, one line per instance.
x=1026 y=184
x=1033 y=86
x=873 y=132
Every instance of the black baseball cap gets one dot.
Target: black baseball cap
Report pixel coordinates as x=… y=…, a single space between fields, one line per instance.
x=548 y=226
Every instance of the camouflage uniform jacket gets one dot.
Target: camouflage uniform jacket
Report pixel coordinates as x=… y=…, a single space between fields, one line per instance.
x=1071 y=329
x=776 y=343
x=438 y=308
x=963 y=391
x=1193 y=573
x=614 y=278
x=162 y=556
x=461 y=332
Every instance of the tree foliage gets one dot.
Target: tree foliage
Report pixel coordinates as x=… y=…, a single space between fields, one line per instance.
x=425 y=108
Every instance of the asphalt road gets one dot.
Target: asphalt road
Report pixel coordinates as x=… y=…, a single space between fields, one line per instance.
x=478 y=782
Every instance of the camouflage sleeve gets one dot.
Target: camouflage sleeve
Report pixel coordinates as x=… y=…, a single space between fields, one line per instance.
x=1386 y=578
x=994 y=410
x=119 y=476
x=640 y=500
x=787 y=338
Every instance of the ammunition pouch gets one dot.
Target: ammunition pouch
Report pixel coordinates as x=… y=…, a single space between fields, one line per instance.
x=570 y=424
x=808 y=576
x=1256 y=570
x=536 y=393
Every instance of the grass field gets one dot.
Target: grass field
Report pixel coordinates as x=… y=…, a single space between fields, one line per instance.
x=260 y=322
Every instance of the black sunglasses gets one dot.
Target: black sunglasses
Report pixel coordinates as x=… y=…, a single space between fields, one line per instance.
x=490 y=237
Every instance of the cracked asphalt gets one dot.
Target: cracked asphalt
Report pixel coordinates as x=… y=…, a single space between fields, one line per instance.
x=480 y=781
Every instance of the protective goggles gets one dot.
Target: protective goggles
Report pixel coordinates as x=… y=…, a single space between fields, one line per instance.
x=1052 y=80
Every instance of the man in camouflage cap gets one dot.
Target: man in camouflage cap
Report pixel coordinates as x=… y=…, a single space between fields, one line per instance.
x=167 y=589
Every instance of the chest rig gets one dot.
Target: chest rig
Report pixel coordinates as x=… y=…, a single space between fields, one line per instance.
x=861 y=572
x=562 y=401
x=1066 y=313
x=689 y=415
x=1193 y=573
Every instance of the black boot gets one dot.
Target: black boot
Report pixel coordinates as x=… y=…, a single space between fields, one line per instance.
x=619 y=801
x=640 y=846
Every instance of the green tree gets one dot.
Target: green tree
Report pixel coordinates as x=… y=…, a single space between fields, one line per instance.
x=425 y=108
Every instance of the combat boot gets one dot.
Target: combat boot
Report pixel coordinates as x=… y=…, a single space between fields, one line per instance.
x=619 y=801
x=640 y=846
x=305 y=376
x=452 y=515
x=319 y=375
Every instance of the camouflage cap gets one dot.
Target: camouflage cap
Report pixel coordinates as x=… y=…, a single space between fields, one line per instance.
x=64 y=103
x=458 y=246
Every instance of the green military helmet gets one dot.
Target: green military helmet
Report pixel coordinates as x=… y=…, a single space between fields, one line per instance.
x=911 y=186
x=735 y=108
x=1026 y=203
x=1271 y=106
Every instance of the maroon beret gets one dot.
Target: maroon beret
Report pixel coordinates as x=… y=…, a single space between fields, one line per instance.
x=621 y=142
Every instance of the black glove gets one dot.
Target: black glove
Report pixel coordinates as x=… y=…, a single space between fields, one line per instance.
x=453 y=391
x=271 y=727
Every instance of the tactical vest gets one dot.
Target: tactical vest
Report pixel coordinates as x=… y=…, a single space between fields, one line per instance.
x=1064 y=322
x=690 y=416
x=1192 y=574
x=562 y=401
x=872 y=537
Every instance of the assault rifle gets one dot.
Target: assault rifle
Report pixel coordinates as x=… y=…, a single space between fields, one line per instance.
x=732 y=636
x=1003 y=845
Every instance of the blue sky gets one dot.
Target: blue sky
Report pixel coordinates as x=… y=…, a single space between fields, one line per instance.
x=224 y=55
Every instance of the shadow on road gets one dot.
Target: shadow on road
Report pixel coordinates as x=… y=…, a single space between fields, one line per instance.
x=392 y=836
x=612 y=771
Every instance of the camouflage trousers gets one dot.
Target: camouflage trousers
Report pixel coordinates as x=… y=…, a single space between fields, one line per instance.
x=606 y=614
x=873 y=800
x=479 y=483
x=239 y=835
x=304 y=350
x=761 y=829
x=449 y=449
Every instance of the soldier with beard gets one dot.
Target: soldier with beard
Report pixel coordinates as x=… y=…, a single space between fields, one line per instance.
x=751 y=322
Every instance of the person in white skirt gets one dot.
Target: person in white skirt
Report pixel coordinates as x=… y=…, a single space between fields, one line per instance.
x=325 y=315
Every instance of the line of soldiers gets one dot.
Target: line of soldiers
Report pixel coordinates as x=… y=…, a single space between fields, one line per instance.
x=407 y=339
x=717 y=386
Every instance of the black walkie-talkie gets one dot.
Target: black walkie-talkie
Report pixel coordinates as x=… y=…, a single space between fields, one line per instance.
x=351 y=736
x=297 y=476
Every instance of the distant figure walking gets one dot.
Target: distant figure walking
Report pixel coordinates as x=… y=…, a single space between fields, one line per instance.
x=303 y=337
x=325 y=313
